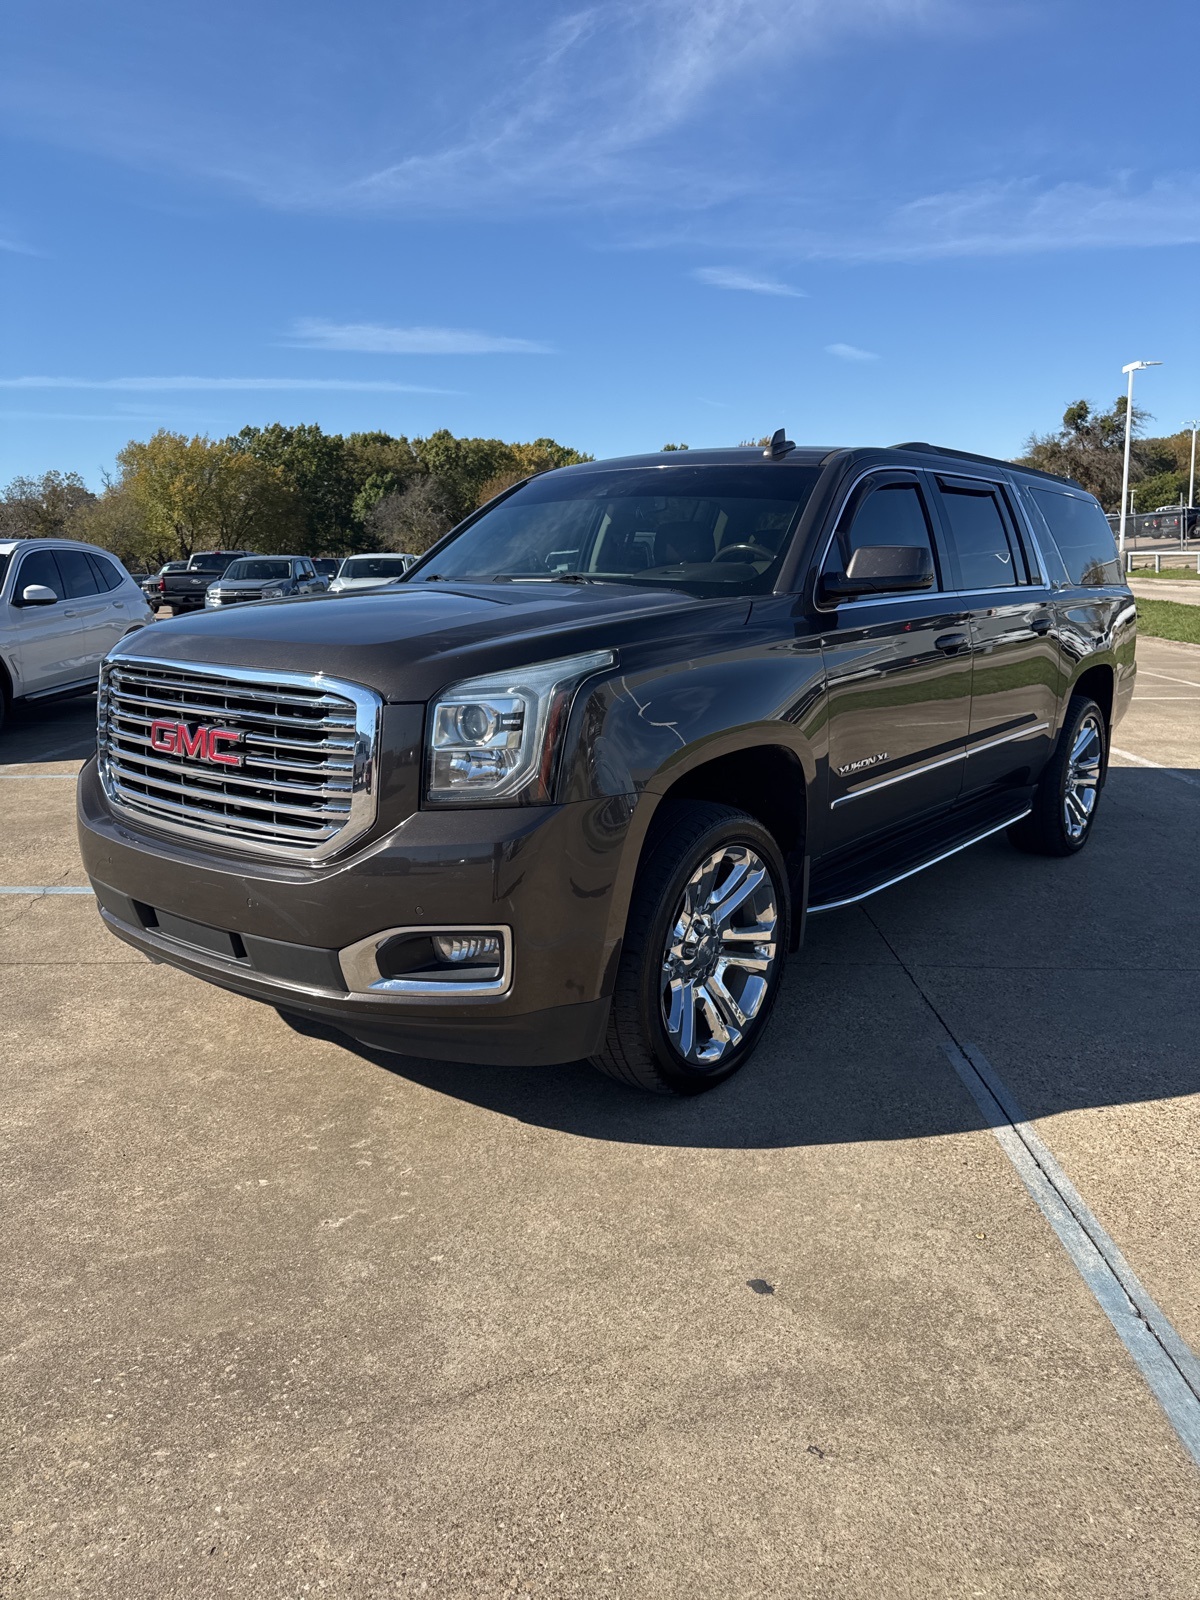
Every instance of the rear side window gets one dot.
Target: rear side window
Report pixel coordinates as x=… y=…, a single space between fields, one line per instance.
x=989 y=556
x=1084 y=539
x=881 y=514
x=78 y=574
x=107 y=575
x=40 y=567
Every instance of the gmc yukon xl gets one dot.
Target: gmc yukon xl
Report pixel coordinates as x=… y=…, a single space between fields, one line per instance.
x=571 y=787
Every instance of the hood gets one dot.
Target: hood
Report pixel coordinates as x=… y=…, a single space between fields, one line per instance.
x=344 y=585
x=248 y=583
x=410 y=641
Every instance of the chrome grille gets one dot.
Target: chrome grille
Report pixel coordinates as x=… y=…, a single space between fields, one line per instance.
x=304 y=785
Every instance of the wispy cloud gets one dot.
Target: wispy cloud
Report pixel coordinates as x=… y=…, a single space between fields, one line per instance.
x=730 y=278
x=312 y=333
x=586 y=104
x=181 y=384
x=850 y=352
x=1022 y=216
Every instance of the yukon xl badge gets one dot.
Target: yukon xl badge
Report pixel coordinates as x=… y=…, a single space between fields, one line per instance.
x=863 y=764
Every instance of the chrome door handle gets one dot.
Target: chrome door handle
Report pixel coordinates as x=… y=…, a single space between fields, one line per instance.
x=950 y=643
x=1042 y=624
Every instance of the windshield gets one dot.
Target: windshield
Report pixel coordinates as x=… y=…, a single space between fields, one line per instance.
x=373 y=567
x=706 y=530
x=258 y=569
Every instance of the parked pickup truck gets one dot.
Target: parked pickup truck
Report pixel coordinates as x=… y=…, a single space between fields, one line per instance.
x=184 y=590
x=1171 y=521
x=571 y=787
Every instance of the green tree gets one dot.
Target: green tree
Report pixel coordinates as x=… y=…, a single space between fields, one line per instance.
x=116 y=521
x=1089 y=447
x=465 y=467
x=316 y=469
x=1163 y=489
x=414 y=519
x=44 y=507
x=192 y=493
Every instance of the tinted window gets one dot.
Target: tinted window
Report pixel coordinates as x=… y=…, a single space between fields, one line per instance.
x=988 y=555
x=4 y=559
x=208 y=563
x=40 y=567
x=258 y=569
x=1083 y=536
x=374 y=567
x=78 y=573
x=881 y=513
x=705 y=530
x=107 y=575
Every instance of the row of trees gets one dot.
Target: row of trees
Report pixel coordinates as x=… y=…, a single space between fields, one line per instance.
x=1090 y=447
x=276 y=489
x=301 y=489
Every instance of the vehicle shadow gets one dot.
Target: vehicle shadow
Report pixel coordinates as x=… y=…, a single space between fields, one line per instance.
x=1070 y=975
x=58 y=730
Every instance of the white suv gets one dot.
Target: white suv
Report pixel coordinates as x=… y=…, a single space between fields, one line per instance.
x=63 y=605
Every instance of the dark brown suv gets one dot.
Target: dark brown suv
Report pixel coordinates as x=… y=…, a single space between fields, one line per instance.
x=571 y=787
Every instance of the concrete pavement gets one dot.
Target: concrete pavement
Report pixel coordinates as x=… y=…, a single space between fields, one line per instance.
x=285 y=1318
x=1185 y=591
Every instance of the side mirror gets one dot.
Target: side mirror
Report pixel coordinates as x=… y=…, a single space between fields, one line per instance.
x=37 y=594
x=881 y=569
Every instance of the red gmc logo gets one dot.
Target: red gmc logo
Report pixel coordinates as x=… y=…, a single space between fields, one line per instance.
x=177 y=739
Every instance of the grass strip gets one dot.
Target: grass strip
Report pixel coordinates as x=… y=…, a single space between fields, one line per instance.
x=1167 y=572
x=1168 y=619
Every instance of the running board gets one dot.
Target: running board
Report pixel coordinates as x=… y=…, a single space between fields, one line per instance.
x=911 y=872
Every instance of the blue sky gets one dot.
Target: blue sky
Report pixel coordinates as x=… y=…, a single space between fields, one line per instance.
x=616 y=224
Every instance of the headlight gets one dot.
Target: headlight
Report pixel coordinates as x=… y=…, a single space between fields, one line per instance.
x=212 y=597
x=273 y=594
x=493 y=739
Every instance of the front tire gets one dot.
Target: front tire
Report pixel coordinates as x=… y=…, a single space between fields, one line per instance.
x=1068 y=794
x=704 y=951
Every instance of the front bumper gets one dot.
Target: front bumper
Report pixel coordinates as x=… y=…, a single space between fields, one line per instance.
x=272 y=932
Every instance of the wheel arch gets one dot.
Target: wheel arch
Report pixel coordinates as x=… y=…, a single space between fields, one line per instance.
x=763 y=775
x=1098 y=682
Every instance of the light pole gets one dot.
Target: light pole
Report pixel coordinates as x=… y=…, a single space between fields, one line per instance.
x=1192 y=480
x=1134 y=366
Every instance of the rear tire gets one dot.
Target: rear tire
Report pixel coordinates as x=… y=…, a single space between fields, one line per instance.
x=704 y=952
x=1067 y=797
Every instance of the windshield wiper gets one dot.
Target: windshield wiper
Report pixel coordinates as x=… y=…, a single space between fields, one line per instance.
x=549 y=577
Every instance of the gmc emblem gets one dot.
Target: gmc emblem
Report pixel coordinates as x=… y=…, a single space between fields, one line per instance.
x=177 y=739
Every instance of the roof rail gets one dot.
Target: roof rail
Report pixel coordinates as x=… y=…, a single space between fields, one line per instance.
x=922 y=448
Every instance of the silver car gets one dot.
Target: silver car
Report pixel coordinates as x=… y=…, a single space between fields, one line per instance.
x=369 y=572
x=63 y=605
x=264 y=578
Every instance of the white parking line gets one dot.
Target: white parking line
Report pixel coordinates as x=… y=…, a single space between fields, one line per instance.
x=53 y=888
x=1180 y=777
x=1168 y=1365
x=1148 y=672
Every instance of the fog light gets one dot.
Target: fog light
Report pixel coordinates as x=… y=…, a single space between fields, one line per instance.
x=460 y=947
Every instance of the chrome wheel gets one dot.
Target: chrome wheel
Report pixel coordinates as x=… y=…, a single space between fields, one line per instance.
x=720 y=955
x=1083 y=777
